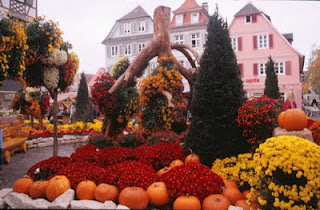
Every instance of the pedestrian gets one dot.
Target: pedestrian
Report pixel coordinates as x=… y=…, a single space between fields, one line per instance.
x=289 y=103
x=1 y=146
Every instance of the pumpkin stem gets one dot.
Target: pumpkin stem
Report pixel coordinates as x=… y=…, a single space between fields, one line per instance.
x=133 y=188
x=217 y=199
x=190 y=150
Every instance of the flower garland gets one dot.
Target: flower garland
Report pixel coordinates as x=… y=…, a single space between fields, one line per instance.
x=315 y=129
x=287 y=173
x=51 y=77
x=56 y=57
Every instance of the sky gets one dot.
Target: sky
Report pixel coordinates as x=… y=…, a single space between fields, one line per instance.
x=85 y=23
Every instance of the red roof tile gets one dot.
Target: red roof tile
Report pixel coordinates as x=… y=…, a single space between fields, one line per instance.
x=188 y=4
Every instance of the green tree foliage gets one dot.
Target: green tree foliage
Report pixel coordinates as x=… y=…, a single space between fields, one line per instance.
x=83 y=108
x=271 y=84
x=217 y=95
x=313 y=73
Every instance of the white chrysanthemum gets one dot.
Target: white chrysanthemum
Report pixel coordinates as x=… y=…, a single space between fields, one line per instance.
x=51 y=77
x=56 y=57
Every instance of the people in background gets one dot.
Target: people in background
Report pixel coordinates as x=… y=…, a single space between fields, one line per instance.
x=314 y=102
x=290 y=102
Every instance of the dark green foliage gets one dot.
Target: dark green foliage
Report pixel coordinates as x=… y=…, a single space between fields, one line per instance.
x=100 y=140
x=271 y=84
x=130 y=140
x=83 y=108
x=217 y=95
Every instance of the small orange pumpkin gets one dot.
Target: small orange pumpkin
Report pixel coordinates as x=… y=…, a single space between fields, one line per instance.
x=163 y=171
x=216 y=202
x=280 y=119
x=253 y=198
x=175 y=163
x=192 y=158
x=38 y=189
x=233 y=194
x=134 y=198
x=85 y=190
x=57 y=186
x=158 y=194
x=187 y=202
x=105 y=192
x=245 y=206
x=294 y=120
x=229 y=183
x=22 y=185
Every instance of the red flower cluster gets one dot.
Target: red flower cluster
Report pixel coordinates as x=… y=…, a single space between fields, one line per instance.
x=131 y=140
x=158 y=155
x=192 y=179
x=164 y=137
x=101 y=97
x=315 y=129
x=87 y=147
x=46 y=168
x=91 y=156
x=129 y=173
x=44 y=103
x=80 y=171
x=114 y=155
x=68 y=71
x=258 y=118
x=31 y=58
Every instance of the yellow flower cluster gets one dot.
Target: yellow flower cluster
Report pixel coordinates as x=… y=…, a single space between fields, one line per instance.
x=120 y=66
x=75 y=60
x=77 y=126
x=288 y=173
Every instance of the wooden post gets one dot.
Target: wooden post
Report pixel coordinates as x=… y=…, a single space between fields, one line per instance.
x=106 y=132
x=32 y=121
x=40 y=122
x=55 y=122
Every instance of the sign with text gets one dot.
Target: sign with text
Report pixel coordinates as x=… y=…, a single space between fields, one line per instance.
x=253 y=80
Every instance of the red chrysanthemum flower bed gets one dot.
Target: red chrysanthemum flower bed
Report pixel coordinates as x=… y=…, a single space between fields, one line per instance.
x=87 y=147
x=130 y=140
x=315 y=129
x=193 y=179
x=158 y=155
x=164 y=137
x=92 y=156
x=47 y=168
x=129 y=173
x=80 y=171
x=114 y=155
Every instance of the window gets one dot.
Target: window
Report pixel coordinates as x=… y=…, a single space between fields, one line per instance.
x=195 y=40
x=127 y=28
x=127 y=49
x=141 y=46
x=178 y=39
x=114 y=51
x=248 y=19
x=195 y=17
x=262 y=69
x=263 y=42
x=279 y=67
x=179 y=20
x=234 y=43
x=142 y=26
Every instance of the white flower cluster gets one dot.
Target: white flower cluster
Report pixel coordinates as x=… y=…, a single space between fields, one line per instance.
x=28 y=91
x=51 y=77
x=56 y=57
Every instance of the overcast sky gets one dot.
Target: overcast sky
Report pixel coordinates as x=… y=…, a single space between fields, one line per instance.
x=86 y=23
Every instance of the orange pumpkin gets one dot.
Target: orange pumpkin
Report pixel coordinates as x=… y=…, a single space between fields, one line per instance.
x=192 y=158
x=158 y=194
x=38 y=189
x=187 y=202
x=294 y=120
x=245 y=206
x=106 y=192
x=253 y=198
x=280 y=119
x=175 y=163
x=85 y=190
x=233 y=194
x=216 y=202
x=229 y=183
x=134 y=198
x=22 y=185
x=163 y=171
x=57 y=186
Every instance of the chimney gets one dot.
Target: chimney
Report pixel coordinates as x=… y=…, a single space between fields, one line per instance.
x=205 y=6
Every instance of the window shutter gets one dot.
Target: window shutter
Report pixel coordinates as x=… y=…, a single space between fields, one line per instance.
x=254 y=18
x=147 y=26
x=239 y=43
x=254 y=42
x=255 y=69
x=121 y=29
x=134 y=48
x=288 y=67
x=134 y=26
x=270 y=41
x=108 y=49
x=121 y=50
x=241 y=69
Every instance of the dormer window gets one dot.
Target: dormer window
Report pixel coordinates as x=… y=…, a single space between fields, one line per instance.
x=248 y=19
x=195 y=17
x=127 y=28
x=179 y=20
x=142 y=26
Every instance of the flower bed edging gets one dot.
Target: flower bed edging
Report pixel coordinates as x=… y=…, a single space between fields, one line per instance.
x=66 y=139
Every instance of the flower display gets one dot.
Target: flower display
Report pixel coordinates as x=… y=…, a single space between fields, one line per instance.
x=100 y=140
x=86 y=147
x=192 y=179
x=131 y=140
x=163 y=137
x=258 y=118
x=287 y=173
x=43 y=170
x=315 y=129
x=114 y=155
x=92 y=156
x=68 y=71
x=120 y=67
x=51 y=77
x=129 y=173
x=56 y=57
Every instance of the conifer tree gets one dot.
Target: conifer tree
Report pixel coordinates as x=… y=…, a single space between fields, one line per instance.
x=83 y=108
x=217 y=95
x=271 y=84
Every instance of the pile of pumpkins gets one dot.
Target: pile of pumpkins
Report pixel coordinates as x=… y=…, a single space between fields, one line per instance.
x=136 y=197
x=293 y=120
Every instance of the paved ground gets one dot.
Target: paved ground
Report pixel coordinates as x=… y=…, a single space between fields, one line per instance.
x=21 y=162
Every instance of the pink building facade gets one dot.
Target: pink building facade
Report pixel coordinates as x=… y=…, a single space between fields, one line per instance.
x=254 y=39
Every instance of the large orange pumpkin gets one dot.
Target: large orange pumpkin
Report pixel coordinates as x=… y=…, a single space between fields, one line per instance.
x=85 y=190
x=245 y=206
x=57 y=186
x=158 y=194
x=216 y=202
x=134 y=198
x=187 y=202
x=280 y=119
x=233 y=194
x=175 y=163
x=192 y=158
x=163 y=171
x=294 y=120
x=22 y=185
x=106 y=192
x=229 y=183
x=38 y=189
